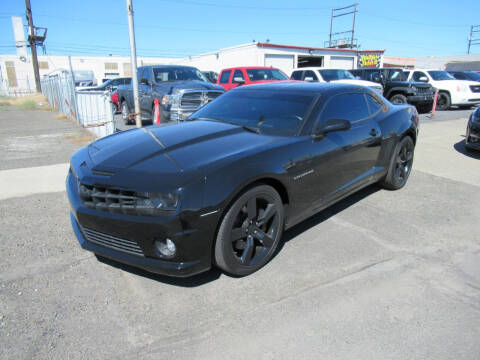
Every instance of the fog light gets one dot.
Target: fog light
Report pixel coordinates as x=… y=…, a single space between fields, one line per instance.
x=166 y=247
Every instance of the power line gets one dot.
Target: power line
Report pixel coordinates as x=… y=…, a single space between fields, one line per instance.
x=242 y=6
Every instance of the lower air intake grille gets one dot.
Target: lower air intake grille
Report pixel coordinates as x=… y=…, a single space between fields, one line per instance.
x=112 y=242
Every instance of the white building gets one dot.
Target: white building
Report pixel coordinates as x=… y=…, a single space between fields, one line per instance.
x=17 y=75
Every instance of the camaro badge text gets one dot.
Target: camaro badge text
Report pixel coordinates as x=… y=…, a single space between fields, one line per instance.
x=302 y=175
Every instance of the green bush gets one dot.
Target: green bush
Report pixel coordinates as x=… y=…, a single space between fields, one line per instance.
x=27 y=105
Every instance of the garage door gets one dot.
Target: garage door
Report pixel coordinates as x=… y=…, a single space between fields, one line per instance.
x=282 y=62
x=341 y=62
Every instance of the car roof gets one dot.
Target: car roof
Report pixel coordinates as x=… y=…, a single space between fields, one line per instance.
x=251 y=67
x=303 y=87
x=317 y=68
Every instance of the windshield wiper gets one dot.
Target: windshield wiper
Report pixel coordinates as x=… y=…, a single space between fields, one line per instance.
x=251 y=129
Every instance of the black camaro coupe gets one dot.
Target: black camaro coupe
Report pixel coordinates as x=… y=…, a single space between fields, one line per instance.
x=472 y=136
x=220 y=188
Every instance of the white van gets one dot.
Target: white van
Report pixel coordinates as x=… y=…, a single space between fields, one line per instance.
x=451 y=91
x=332 y=75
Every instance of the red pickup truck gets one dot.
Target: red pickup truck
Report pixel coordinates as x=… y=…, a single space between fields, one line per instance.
x=233 y=77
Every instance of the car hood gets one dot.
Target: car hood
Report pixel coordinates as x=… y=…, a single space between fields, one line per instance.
x=169 y=150
x=454 y=84
x=358 y=82
x=176 y=86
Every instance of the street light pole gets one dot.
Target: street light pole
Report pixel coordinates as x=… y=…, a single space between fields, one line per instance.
x=133 y=57
x=33 y=45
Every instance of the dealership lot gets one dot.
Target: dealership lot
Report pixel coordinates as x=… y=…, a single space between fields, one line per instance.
x=381 y=275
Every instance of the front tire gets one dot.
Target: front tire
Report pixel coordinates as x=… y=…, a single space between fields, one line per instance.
x=125 y=113
x=250 y=231
x=444 y=101
x=398 y=99
x=400 y=165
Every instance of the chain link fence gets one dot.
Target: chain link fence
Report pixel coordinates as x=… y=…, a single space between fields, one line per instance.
x=91 y=109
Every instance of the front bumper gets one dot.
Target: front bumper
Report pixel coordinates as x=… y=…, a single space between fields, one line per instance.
x=420 y=99
x=114 y=235
x=472 y=138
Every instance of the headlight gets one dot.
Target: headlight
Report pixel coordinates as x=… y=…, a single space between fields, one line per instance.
x=169 y=99
x=155 y=203
x=476 y=119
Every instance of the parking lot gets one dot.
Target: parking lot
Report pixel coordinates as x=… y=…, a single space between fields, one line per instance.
x=380 y=275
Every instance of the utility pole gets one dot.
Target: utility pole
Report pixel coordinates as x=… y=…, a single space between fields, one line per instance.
x=33 y=46
x=133 y=59
x=471 y=39
x=333 y=40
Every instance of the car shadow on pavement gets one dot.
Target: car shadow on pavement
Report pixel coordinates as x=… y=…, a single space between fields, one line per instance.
x=215 y=273
x=460 y=147
x=192 y=281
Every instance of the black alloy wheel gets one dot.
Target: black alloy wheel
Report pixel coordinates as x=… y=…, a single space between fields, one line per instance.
x=400 y=165
x=250 y=231
x=443 y=101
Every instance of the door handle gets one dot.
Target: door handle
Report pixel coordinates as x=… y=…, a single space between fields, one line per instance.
x=373 y=132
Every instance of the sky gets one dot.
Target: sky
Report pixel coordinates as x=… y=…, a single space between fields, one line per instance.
x=179 y=28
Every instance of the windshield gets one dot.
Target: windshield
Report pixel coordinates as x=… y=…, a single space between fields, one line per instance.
x=265 y=74
x=270 y=112
x=440 y=75
x=177 y=74
x=331 y=75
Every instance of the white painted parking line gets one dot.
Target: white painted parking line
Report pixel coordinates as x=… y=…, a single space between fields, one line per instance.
x=33 y=180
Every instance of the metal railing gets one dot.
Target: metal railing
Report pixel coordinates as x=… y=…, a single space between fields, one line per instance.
x=91 y=109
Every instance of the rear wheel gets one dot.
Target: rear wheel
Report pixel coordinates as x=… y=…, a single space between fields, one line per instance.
x=399 y=99
x=400 y=165
x=250 y=231
x=443 y=101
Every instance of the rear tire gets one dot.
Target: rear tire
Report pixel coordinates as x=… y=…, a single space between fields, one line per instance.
x=444 y=101
x=125 y=113
x=399 y=99
x=400 y=165
x=250 y=231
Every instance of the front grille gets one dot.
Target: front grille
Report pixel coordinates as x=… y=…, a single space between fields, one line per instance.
x=112 y=242
x=424 y=90
x=108 y=199
x=475 y=88
x=192 y=100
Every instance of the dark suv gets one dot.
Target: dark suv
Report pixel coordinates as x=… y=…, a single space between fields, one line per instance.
x=397 y=89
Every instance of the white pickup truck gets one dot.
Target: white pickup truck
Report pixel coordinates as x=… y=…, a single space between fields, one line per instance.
x=451 y=91
x=332 y=75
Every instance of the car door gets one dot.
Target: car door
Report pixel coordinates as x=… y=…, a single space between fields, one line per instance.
x=343 y=161
x=145 y=92
x=237 y=74
x=224 y=79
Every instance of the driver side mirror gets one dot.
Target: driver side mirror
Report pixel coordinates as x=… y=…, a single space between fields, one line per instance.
x=144 y=81
x=331 y=126
x=308 y=78
x=238 y=80
x=376 y=78
x=423 y=79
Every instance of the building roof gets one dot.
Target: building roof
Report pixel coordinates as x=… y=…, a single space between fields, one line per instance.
x=293 y=47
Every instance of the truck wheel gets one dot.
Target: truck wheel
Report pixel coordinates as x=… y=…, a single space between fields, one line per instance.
x=125 y=113
x=399 y=99
x=443 y=101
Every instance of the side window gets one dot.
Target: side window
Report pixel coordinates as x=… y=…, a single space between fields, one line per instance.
x=371 y=75
x=417 y=75
x=374 y=103
x=460 y=76
x=147 y=74
x=140 y=73
x=238 y=74
x=310 y=74
x=225 y=76
x=351 y=107
x=297 y=75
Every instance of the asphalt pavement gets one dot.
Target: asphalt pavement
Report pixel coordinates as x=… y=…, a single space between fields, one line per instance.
x=381 y=275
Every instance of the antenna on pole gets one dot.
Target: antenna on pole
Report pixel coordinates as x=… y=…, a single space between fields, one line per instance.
x=471 y=39
x=334 y=40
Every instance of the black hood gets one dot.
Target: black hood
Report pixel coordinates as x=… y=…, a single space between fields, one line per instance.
x=174 y=150
x=176 y=86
